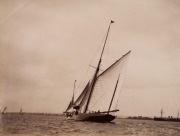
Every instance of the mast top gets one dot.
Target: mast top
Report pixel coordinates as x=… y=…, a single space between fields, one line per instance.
x=112 y=21
x=105 y=41
x=178 y=114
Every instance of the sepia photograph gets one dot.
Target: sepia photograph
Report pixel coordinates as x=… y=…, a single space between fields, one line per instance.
x=90 y=67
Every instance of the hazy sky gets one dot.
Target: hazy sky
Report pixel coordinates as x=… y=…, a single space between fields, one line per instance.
x=46 y=44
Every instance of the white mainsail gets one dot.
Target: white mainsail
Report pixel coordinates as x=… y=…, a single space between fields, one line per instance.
x=105 y=85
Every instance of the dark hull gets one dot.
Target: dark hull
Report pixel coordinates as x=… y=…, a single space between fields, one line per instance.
x=167 y=119
x=94 y=117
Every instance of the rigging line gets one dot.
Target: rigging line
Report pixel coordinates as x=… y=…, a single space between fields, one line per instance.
x=115 y=63
x=82 y=80
x=113 y=94
x=104 y=89
x=118 y=96
x=108 y=43
x=97 y=101
x=15 y=12
x=123 y=79
x=90 y=63
x=103 y=94
x=101 y=44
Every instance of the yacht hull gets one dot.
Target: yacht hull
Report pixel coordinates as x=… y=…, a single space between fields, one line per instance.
x=94 y=117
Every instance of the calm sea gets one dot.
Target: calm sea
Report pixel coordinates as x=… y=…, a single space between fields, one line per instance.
x=45 y=125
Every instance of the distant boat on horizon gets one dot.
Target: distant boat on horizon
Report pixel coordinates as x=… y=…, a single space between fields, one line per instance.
x=21 y=111
x=4 y=110
x=169 y=118
x=97 y=102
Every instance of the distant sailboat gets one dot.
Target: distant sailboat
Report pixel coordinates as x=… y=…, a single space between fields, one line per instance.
x=4 y=110
x=21 y=111
x=178 y=114
x=69 y=114
x=98 y=100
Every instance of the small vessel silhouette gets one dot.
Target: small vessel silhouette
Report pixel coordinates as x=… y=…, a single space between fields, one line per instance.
x=169 y=118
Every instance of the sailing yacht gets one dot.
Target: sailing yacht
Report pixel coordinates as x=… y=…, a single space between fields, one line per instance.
x=97 y=102
x=21 y=111
x=4 y=110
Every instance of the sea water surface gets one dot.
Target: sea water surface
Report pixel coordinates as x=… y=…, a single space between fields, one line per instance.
x=57 y=125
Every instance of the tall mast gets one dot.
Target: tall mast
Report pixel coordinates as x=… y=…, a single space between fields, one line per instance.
x=178 y=114
x=20 y=111
x=72 y=100
x=97 y=70
x=113 y=94
x=5 y=108
x=161 y=112
x=73 y=92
